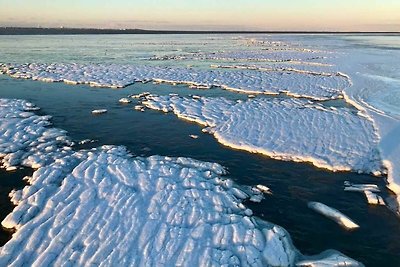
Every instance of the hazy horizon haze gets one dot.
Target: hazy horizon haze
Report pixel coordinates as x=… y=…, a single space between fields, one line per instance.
x=264 y=15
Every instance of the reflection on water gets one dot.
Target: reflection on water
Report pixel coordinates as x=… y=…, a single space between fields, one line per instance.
x=376 y=243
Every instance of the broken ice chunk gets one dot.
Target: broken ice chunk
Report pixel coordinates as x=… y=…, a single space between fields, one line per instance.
x=373 y=198
x=333 y=214
x=124 y=100
x=263 y=189
x=99 y=111
x=360 y=187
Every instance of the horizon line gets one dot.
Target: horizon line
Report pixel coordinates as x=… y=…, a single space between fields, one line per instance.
x=5 y=30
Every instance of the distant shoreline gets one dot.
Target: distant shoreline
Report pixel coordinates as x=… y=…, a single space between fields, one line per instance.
x=78 y=31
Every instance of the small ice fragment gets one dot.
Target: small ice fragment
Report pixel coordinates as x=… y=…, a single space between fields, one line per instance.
x=99 y=111
x=248 y=212
x=329 y=258
x=263 y=189
x=140 y=95
x=208 y=130
x=125 y=100
x=196 y=97
x=11 y=168
x=373 y=198
x=333 y=214
x=86 y=141
x=360 y=187
x=194 y=136
x=203 y=87
x=139 y=107
x=251 y=96
x=173 y=94
x=256 y=198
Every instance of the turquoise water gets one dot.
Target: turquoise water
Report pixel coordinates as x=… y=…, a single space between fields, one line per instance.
x=293 y=184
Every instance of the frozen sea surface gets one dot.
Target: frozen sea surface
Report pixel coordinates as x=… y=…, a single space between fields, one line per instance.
x=104 y=207
x=318 y=67
x=288 y=129
x=293 y=185
x=311 y=85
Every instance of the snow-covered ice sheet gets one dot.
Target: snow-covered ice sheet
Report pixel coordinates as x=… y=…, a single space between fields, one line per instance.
x=105 y=207
x=261 y=55
x=299 y=84
x=286 y=129
x=375 y=91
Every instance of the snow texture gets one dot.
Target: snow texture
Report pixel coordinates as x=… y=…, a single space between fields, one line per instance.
x=104 y=207
x=285 y=129
x=299 y=84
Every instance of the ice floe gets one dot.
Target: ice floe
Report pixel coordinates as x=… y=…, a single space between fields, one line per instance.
x=361 y=187
x=21 y=129
x=320 y=87
x=276 y=55
x=99 y=111
x=105 y=207
x=373 y=198
x=285 y=129
x=333 y=214
x=124 y=100
x=264 y=189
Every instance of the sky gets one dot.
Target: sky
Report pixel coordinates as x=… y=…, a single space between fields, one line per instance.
x=331 y=15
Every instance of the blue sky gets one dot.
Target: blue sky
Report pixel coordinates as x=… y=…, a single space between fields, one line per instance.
x=205 y=14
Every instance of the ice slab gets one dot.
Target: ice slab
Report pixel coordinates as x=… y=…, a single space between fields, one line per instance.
x=373 y=198
x=125 y=100
x=99 y=111
x=105 y=207
x=260 y=55
x=21 y=129
x=333 y=214
x=247 y=81
x=285 y=129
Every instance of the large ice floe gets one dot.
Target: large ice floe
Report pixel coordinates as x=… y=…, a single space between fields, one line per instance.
x=338 y=139
x=311 y=57
x=105 y=207
x=300 y=84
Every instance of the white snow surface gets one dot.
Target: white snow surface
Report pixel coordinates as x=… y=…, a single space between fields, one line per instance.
x=285 y=129
x=333 y=214
x=329 y=259
x=105 y=207
x=299 y=84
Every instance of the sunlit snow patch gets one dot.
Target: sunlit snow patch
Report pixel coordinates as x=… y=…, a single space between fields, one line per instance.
x=285 y=129
x=333 y=214
x=246 y=81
